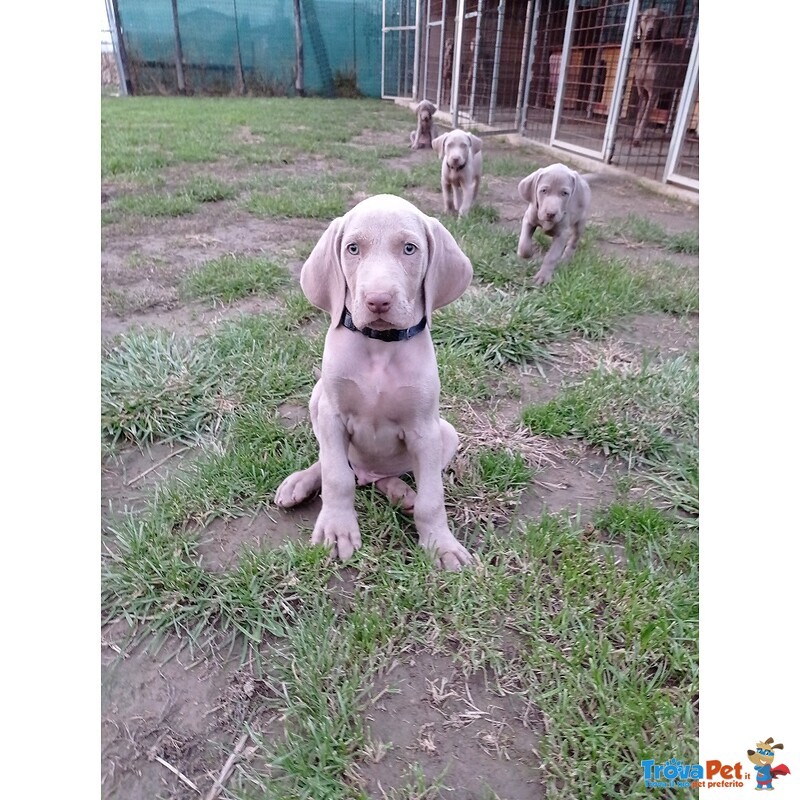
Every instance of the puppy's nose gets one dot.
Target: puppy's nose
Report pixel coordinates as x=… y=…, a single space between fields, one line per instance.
x=378 y=302
x=550 y=215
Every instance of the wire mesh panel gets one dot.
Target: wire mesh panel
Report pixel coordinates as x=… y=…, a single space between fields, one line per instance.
x=432 y=54
x=665 y=34
x=495 y=59
x=587 y=74
x=445 y=87
x=399 y=33
x=547 y=40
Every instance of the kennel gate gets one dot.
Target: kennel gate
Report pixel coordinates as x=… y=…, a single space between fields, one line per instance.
x=561 y=72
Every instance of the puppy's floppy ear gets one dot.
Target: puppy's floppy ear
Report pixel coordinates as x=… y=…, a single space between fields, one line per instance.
x=321 y=277
x=438 y=144
x=449 y=270
x=575 y=189
x=527 y=187
x=475 y=143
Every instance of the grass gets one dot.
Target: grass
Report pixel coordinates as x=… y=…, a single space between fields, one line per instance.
x=636 y=228
x=636 y=414
x=589 y=621
x=231 y=277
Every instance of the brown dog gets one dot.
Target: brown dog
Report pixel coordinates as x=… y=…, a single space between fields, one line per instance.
x=426 y=130
x=659 y=68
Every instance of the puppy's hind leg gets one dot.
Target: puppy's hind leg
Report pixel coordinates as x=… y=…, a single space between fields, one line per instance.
x=299 y=486
x=398 y=492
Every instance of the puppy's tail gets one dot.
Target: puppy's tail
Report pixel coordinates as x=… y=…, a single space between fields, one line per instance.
x=592 y=177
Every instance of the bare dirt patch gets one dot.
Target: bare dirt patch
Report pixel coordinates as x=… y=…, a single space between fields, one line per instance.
x=428 y=719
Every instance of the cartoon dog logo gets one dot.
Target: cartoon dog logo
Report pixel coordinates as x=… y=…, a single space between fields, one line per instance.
x=762 y=757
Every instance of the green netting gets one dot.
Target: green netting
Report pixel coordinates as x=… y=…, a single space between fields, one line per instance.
x=341 y=42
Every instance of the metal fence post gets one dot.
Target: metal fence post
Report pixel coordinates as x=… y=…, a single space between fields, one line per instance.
x=498 y=41
x=120 y=52
x=526 y=68
x=456 y=79
x=181 y=78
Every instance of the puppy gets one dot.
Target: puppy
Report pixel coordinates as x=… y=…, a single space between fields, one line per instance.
x=558 y=203
x=462 y=168
x=426 y=130
x=380 y=271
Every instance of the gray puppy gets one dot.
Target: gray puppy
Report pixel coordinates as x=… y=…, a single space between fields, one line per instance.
x=558 y=203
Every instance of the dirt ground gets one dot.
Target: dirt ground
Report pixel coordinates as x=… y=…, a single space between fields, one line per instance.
x=162 y=712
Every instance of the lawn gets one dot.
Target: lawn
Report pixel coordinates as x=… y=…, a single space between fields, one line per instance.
x=551 y=669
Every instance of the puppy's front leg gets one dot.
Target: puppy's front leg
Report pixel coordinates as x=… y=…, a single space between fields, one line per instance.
x=447 y=196
x=551 y=259
x=525 y=246
x=458 y=193
x=336 y=526
x=430 y=517
x=575 y=234
x=467 y=198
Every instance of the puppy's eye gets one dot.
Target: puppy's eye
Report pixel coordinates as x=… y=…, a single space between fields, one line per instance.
x=409 y=249
x=543 y=190
x=565 y=192
x=352 y=248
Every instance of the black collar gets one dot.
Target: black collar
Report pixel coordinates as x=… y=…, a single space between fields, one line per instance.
x=391 y=335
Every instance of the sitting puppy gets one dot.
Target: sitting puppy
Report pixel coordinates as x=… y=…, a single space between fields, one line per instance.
x=380 y=271
x=558 y=203
x=462 y=167
x=426 y=130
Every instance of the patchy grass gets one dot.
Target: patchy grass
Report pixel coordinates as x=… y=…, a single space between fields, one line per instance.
x=207 y=189
x=591 y=624
x=640 y=413
x=320 y=197
x=151 y=204
x=231 y=277
x=638 y=229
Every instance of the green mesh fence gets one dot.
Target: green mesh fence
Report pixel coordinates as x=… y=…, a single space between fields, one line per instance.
x=248 y=46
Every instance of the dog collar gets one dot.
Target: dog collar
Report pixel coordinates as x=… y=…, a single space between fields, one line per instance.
x=390 y=335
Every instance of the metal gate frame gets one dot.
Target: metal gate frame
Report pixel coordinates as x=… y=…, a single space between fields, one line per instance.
x=388 y=29
x=606 y=150
x=683 y=117
x=683 y=113
x=464 y=102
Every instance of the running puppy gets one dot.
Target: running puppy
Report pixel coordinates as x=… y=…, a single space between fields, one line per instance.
x=558 y=203
x=462 y=167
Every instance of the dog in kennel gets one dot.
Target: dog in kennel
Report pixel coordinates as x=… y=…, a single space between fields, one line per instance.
x=659 y=69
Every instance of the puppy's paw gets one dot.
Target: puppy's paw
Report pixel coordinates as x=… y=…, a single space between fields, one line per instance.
x=447 y=553
x=542 y=278
x=338 y=531
x=298 y=486
x=398 y=492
